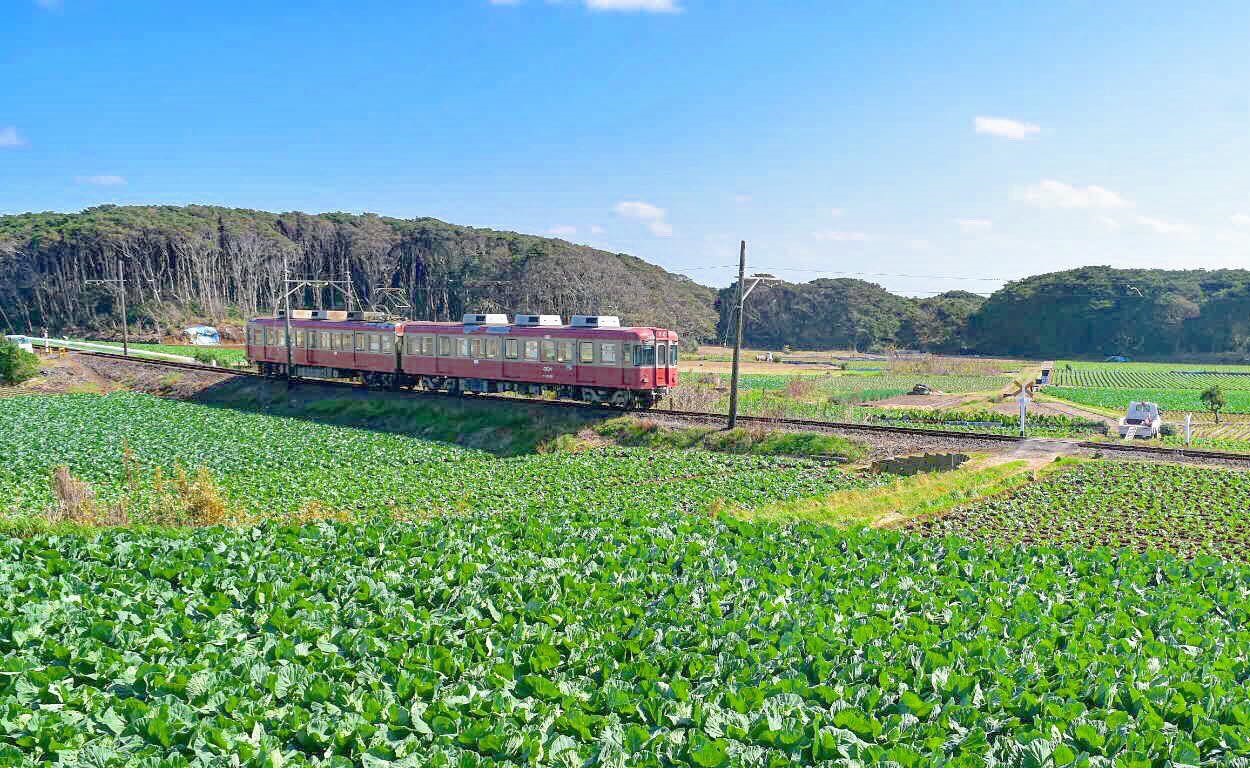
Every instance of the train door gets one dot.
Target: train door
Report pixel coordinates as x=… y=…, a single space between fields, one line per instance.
x=586 y=371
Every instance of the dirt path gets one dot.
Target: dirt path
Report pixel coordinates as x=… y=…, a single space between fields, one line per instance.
x=1054 y=408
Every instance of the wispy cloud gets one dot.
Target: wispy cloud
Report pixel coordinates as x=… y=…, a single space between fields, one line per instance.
x=1164 y=227
x=562 y=230
x=1109 y=222
x=635 y=6
x=1240 y=220
x=836 y=212
x=1005 y=128
x=101 y=180
x=1051 y=193
x=973 y=226
x=742 y=200
x=9 y=137
x=596 y=230
x=653 y=216
x=840 y=236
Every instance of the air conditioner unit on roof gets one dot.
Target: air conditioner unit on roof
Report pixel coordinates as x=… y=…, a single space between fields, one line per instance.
x=538 y=320
x=595 y=321
x=484 y=319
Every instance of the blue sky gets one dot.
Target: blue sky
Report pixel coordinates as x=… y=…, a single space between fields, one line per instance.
x=980 y=141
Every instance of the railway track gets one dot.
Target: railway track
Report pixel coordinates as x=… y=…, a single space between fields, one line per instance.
x=1156 y=451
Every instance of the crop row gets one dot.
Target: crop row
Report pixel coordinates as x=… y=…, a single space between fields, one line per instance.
x=1238 y=401
x=1187 y=510
x=1158 y=376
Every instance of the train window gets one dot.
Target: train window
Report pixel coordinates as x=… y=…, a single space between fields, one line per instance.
x=564 y=352
x=312 y=340
x=444 y=345
x=586 y=352
x=411 y=345
x=375 y=343
x=492 y=347
x=326 y=342
x=345 y=341
x=388 y=343
x=549 y=349
x=475 y=348
x=644 y=356
x=672 y=354
x=462 y=347
x=531 y=349
x=661 y=353
x=511 y=349
x=427 y=345
x=607 y=352
x=299 y=337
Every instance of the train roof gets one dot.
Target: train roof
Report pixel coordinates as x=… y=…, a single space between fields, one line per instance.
x=623 y=332
x=448 y=327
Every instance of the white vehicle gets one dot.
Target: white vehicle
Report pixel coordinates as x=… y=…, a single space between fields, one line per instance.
x=1143 y=420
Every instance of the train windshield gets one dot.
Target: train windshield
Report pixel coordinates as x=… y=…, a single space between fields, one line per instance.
x=644 y=356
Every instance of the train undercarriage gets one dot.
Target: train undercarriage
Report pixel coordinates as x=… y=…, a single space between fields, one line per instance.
x=378 y=380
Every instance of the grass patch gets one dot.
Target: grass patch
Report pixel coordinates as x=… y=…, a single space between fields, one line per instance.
x=502 y=428
x=925 y=494
x=629 y=431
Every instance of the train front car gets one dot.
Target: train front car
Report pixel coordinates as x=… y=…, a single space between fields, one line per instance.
x=328 y=345
x=591 y=359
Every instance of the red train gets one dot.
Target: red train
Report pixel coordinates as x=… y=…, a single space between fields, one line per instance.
x=591 y=359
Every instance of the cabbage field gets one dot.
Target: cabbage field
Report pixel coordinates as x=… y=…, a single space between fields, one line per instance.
x=642 y=637
x=1171 y=401
x=1187 y=510
x=598 y=608
x=267 y=464
x=1148 y=376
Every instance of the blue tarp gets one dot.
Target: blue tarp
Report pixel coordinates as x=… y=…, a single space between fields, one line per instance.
x=206 y=335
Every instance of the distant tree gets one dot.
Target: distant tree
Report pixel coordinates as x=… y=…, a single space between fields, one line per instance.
x=1213 y=396
x=16 y=365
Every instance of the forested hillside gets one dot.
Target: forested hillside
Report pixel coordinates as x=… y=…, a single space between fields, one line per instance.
x=206 y=263
x=845 y=313
x=1102 y=311
x=210 y=263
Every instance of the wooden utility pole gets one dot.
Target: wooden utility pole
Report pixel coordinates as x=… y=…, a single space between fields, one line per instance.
x=733 y=379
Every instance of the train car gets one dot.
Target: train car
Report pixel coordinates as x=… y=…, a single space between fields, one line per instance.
x=592 y=359
x=328 y=347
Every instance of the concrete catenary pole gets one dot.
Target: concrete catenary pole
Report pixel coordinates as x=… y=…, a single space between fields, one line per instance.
x=733 y=379
x=286 y=316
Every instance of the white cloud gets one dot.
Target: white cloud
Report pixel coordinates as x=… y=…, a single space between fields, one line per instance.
x=9 y=137
x=653 y=216
x=919 y=244
x=102 y=180
x=742 y=200
x=1050 y=193
x=562 y=230
x=836 y=212
x=1163 y=227
x=596 y=230
x=631 y=6
x=1240 y=220
x=972 y=226
x=1109 y=223
x=1005 y=127
x=840 y=236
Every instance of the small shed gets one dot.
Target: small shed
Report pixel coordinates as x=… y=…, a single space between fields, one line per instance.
x=205 y=335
